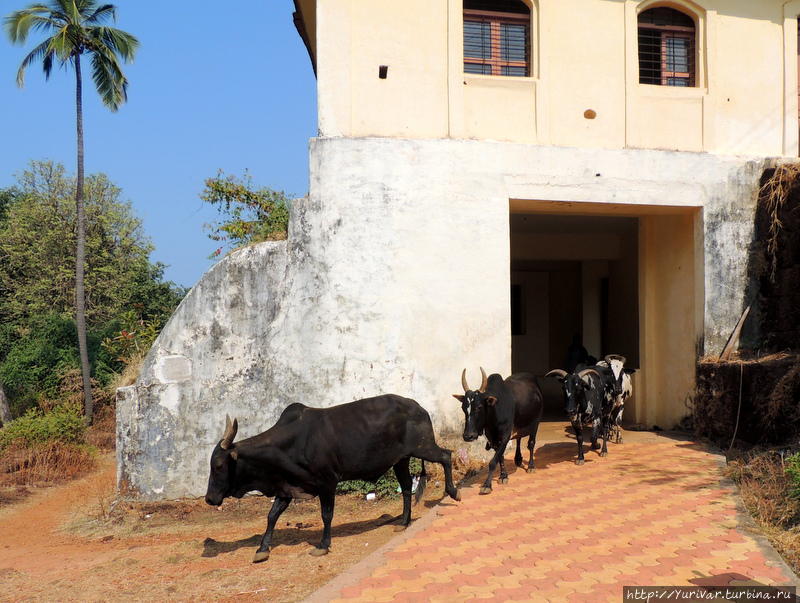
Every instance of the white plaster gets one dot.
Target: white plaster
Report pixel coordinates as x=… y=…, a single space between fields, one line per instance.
x=169 y=399
x=173 y=369
x=394 y=278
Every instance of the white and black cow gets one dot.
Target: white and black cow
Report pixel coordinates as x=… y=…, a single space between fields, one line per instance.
x=620 y=390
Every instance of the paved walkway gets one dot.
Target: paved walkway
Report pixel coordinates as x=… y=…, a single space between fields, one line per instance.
x=656 y=511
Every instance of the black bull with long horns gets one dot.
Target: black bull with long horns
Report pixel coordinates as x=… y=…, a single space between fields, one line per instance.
x=309 y=450
x=586 y=402
x=502 y=410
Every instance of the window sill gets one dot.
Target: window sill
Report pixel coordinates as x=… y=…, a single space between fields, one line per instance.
x=498 y=80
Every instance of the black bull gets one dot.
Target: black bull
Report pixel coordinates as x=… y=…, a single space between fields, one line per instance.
x=587 y=400
x=310 y=450
x=502 y=409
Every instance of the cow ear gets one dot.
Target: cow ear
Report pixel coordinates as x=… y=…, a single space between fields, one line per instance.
x=629 y=371
x=460 y=398
x=491 y=400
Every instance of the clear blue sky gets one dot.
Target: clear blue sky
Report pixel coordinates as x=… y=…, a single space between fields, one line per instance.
x=214 y=86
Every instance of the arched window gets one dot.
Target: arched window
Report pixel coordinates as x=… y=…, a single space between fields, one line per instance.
x=497 y=37
x=667 y=47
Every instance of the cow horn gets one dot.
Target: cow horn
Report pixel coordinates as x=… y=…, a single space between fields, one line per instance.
x=464 y=381
x=610 y=357
x=585 y=372
x=557 y=373
x=484 y=381
x=230 y=433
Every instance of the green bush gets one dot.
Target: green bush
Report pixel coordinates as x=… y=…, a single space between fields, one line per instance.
x=792 y=464
x=386 y=485
x=36 y=358
x=249 y=214
x=62 y=424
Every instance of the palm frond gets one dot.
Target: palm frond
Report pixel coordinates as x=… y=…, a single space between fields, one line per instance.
x=47 y=65
x=64 y=44
x=102 y=14
x=78 y=30
x=70 y=9
x=64 y=6
x=118 y=41
x=111 y=84
x=19 y=23
x=86 y=6
x=42 y=51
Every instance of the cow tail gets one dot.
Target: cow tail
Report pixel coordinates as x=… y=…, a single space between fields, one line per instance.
x=423 y=480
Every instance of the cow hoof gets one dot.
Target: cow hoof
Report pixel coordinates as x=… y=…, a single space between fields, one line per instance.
x=400 y=528
x=318 y=552
x=530 y=469
x=260 y=556
x=579 y=462
x=458 y=495
x=485 y=490
x=604 y=453
x=503 y=480
x=620 y=441
x=518 y=463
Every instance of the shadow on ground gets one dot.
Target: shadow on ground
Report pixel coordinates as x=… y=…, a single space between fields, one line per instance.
x=301 y=533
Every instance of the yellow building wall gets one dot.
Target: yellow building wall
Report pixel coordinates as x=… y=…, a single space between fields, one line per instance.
x=584 y=57
x=671 y=302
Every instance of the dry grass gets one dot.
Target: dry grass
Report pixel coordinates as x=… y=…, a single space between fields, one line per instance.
x=742 y=358
x=787 y=542
x=102 y=432
x=765 y=489
x=130 y=373
x=71 y=393
x=49 y=463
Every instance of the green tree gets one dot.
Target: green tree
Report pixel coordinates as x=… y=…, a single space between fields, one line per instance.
x=36 y=242
x=7 y=197
x=124 y=290
x=77 y=28
x=249 y=214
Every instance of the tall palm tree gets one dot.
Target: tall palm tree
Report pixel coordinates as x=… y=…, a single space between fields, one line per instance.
x=77 y=28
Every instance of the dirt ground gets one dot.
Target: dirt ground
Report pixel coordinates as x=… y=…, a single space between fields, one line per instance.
x=73 y=542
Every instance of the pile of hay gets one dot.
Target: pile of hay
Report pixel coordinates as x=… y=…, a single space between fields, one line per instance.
x=769 y=389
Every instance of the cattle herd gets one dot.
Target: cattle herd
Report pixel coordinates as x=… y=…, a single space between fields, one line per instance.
x=310 y=450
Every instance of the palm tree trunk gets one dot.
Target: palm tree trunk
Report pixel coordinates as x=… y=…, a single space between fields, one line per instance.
x=80 y=253
x=5 y=411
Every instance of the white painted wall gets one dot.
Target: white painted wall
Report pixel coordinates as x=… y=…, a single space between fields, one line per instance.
x=394 y=278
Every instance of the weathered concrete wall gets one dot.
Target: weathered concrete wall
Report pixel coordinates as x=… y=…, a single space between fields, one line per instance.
x=395 y=277
x=729 y=226
x=211 y=359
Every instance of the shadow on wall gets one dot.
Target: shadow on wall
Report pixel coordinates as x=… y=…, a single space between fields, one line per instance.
x=773 y=268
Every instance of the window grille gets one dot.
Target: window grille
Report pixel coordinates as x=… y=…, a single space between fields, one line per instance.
x=497 y=37
x=667 y=48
